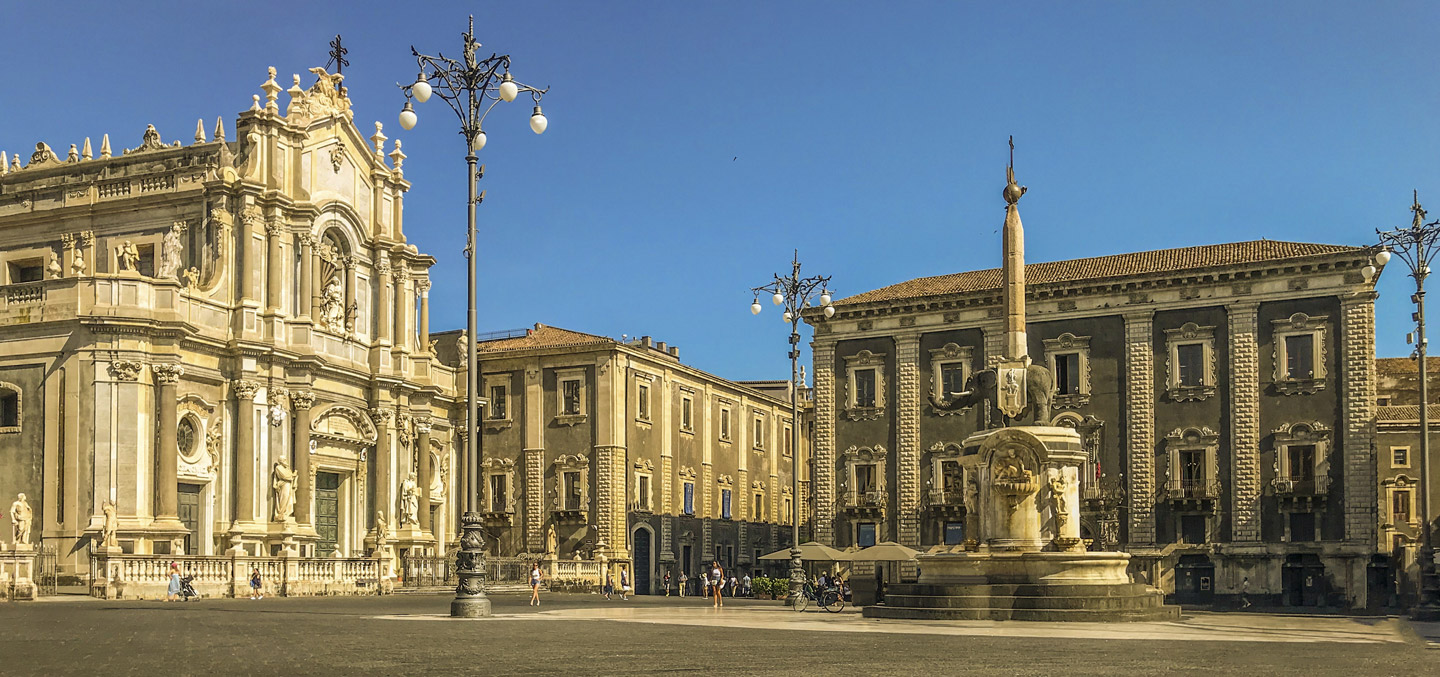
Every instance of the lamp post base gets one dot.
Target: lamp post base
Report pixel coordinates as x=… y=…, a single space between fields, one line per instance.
x=470 y=600
x=797 y=577
x=471 y=607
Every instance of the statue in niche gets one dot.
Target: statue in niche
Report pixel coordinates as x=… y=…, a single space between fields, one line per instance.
x=283 y=484
x=332 y=304
x=551 y=542
x=129 y=256
x=170 y=254
x=409 y=501
x=21 y=515
x=1058 y=486
x=109 y=526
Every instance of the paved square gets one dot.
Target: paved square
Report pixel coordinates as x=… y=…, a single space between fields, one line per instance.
x=410 y=634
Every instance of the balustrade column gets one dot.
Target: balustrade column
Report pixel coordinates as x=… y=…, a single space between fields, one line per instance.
x=244 y=449
x=166 y=480
x=302 y=400
x=422 y=447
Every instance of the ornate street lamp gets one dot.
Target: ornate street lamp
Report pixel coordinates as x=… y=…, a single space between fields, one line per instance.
x=1416 y=246
x=794 y=293
x=472 y=87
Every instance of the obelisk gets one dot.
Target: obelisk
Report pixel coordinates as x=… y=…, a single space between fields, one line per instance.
x=1013 y=268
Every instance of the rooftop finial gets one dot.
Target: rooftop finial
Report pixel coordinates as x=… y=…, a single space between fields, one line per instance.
x=105 y=146
x=337 y=56
x=4 y=164
x=1012 y=191
x=220 y=129
x=85 y=151
x=74 y=155
x=200 y=130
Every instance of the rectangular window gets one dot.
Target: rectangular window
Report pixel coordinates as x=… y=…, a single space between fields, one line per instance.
x=1400 y=457
x=724 y=423
x=865 y=387
x=1383 y=400
x=643 y=486
x=757 y=504
x=497 y=402
x=9 y=409
x=1192 y=470
x=687 y=409
x=26 y=271
x=725 y=504
x=1067 y=374
x=952 y=379
x=1302 y=462
x=789 y=515
x=1400 y=506
x=642 y=402
x=954 y=533
x=1300 y=356
x=789 y=444
x=759 y=432
x=1190 y=359
x=498 y=496
x=571 y=390
x=865 y=534
x=689 y=498
x=865 y=478
x=572 y=490
x=1302 y=527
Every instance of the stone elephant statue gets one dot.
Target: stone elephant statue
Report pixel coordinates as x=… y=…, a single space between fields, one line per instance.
x=982 y=388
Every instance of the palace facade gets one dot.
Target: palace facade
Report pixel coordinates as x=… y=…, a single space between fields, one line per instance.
x=1226 y=395
x=223 y=341
x=594 y=448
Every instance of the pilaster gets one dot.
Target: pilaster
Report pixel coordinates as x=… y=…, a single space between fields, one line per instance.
x=534 y=500
x=1358 y=405
x=167 y=376
x=1140 y=419
x=907 y=415
x=823 y=353
x=301 y=401
x=1245 y=419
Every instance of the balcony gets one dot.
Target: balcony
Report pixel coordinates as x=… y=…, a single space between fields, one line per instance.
x=863 y=502
x=643 y=507
x=1194 y=489
x=1301 y=487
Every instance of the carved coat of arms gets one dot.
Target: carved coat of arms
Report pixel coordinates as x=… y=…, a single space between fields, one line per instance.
x=1010 y=389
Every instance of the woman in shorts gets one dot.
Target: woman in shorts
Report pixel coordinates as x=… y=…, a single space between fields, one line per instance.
x=535 y=584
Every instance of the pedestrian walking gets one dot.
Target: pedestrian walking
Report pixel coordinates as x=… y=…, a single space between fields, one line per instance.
x=255 y=584
x=609 y=585
x=733 y=585
x=745 y=585
x=535 y=584
x=717 y=581
x=684 y=581
x=667 y=584
x=173 y=593
x=1245 y=593
x=624 y=583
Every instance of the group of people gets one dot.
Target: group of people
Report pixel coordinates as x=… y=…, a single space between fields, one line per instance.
x=711 y=584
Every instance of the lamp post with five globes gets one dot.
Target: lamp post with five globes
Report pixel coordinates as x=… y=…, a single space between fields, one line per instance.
x=794 y=294
x=472 y=86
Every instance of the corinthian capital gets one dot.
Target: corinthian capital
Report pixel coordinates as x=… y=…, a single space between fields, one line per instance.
x=125 y=370
x=167 y=374
x=422 y=425
x=302 y=400
x=381 y=416
x=244 y=389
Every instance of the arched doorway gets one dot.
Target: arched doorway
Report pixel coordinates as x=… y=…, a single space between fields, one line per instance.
x=644 y=564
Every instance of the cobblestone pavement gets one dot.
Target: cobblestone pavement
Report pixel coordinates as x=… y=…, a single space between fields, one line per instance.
x=411 y=634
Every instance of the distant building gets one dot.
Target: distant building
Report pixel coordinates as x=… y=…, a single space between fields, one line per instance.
x=1225 y=393
x=1397 y=460
x=627 y=453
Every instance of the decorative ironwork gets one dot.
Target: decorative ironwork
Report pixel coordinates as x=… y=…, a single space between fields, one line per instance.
x=337 y=56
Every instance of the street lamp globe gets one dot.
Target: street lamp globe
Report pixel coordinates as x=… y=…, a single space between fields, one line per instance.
x=421 y=89
x=755 y=307
x=408 y=117
x=825 y=298
x=1368 y=273
x=479 y=141
x=829 y=312
x=508 y=89
x=787 y=317
x=778 y=298
x=538 y=121
x=1382 y=257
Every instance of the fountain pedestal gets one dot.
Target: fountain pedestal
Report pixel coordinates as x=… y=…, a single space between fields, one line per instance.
x=1027 y=561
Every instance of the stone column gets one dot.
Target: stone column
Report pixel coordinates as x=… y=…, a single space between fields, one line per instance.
x=907 y=421
x=422 y=449
x=823 y=446
x=424 y=285
x=381 y=416
x=1358 y=404
x=404 y=308
x=1140 y=415
x=307 y=275
x=301 y=401
x=166 y=480
x=1245 y=420
x=275 y=266
x=244 y=448
x=385 y=320
x=252 y=220
x=351 y=282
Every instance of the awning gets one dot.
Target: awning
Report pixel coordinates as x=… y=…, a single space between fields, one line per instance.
x=887 y=551
x=810 y=552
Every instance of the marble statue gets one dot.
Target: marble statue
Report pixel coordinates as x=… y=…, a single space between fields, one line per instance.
x=409 y=501
x=109 y=527
x=191 y=277
x=382 y=530
x=170 y=254
x=129 y=256
x=551 y=545
x=283 y=484
x=332 y=304
x=21 y=515
x=55 y=269
x=1057 y=494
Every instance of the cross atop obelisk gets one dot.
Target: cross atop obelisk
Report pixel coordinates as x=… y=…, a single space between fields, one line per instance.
x=1013 y=268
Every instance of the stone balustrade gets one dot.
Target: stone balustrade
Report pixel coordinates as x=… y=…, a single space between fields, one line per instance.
x=148 y=576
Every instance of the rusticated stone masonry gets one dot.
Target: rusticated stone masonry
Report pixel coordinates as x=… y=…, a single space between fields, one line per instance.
x=1359 y=413
x=1245 y=420
x=535 y=500
x=907 y=415
x=1140 y=403
x=824 y=442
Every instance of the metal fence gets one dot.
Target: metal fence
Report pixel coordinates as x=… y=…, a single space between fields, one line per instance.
x=424 y=571
x=47 y=570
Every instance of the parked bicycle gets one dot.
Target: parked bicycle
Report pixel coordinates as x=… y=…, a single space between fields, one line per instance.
x=828 y=598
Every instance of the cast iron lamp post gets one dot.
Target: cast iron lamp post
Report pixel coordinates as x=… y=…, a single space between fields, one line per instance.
x=472 y=87
x=1416 y=246
x=794 y=294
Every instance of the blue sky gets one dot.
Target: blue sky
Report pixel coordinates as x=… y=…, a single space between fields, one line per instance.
x=692 y=146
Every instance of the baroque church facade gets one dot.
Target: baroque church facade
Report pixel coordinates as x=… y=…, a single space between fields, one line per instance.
x=224 y=342
x=1226 y=396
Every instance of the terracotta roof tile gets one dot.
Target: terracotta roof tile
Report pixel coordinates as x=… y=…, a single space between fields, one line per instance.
x=1405 y=365
x=1103 y=267
x=1405 y=413
x=543 y=336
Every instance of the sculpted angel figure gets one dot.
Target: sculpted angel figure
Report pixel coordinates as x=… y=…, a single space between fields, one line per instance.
x=129 y=256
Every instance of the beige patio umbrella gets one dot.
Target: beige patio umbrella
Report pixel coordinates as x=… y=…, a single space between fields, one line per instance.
x=885 y=551
x=810 y=552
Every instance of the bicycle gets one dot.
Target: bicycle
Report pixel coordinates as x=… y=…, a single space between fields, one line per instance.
x=829 y=599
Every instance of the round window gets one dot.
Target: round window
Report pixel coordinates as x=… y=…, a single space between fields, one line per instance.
x=185 y=436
